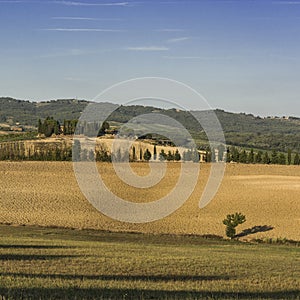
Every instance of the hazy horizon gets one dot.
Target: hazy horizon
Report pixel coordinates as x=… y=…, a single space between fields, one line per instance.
x=171 y=107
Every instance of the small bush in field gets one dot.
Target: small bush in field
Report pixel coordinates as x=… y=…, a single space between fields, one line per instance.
x=233 y=221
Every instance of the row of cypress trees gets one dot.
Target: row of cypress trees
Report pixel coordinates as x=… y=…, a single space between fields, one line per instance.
x=63 y=152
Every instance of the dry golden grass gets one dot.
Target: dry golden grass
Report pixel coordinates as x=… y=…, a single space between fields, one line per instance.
x=47 y=194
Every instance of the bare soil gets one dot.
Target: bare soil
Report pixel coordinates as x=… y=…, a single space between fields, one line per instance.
x=47 y=194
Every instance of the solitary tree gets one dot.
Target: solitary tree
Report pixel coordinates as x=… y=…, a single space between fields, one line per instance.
x=233 y=221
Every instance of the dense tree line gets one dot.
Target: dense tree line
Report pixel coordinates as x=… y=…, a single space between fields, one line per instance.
x=40 y=151
x=235 y=154
x=18 y=150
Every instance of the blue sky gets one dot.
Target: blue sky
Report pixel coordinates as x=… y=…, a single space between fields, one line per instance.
x=242 y=56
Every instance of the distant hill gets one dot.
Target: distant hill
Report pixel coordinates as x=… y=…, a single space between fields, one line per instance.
x=28 y=113
x=244 y=130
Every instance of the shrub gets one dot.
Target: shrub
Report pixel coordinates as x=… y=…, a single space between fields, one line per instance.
x=233 y=221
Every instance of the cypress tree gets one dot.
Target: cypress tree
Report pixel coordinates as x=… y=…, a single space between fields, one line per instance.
x=170 y=156
x=147 y=155
x=141 y=154
x=154 y=153
x=266 y=158
x=133 y=154
x=274 y=157
x=258 y=157
x=243 y=157
x=282 y=159
x=289 y=157
x=162 y=155
x=251 y=157
x=177 y=155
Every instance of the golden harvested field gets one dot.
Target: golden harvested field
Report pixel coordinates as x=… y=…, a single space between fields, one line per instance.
x=47 y=194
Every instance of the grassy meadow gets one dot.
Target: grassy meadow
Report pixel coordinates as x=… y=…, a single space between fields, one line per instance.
x=53 y=263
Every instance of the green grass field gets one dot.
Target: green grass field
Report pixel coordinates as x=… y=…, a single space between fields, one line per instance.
x=53 y=263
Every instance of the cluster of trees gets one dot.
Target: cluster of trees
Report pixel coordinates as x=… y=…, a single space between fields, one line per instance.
x=250 y=157
x=18 y=151
x=51 y=126
x=169 y=156
x=69 y=126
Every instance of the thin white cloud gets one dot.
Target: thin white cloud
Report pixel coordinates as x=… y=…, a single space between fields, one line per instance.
x=85 y=19
x=68 y=52
x=14 y=1
x=76 y=79
x=178 y=40
x=74 y=3
x=287 y=2
x=83 y=30
x=73 y=52
x=147 y=48
x=199 y=57
x=71 y=3
x=169 y=30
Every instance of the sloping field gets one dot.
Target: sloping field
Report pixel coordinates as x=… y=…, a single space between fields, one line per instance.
x=47 y=194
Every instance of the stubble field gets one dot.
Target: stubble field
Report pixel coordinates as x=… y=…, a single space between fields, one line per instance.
x=47 y=194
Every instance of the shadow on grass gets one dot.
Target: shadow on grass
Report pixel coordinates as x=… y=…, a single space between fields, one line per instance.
x=14 y=246
x=254 y=229
x=33 y=257
x=124 y=277
x=106 y=293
